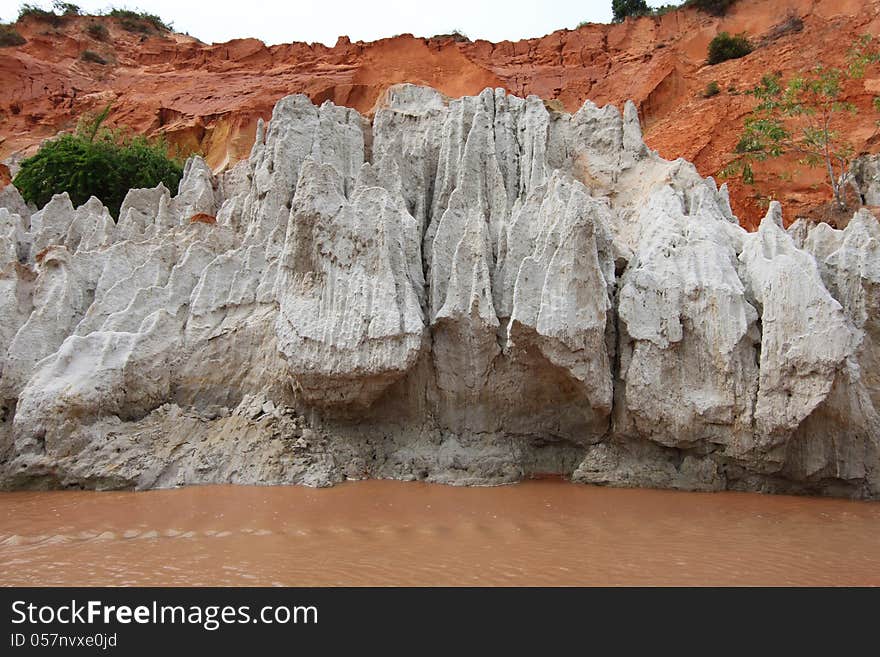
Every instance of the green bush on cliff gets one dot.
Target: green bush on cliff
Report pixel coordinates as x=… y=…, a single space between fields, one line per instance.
x=714 y=7
x=61 y=10
x=621 y=9
x=67 y=8
x=712 y=89
x=92 y=57
x=726 y=46
x=98 y=31
x=139 y=21
x=10 y=37
x=39 y=14
x=455 y=35
x=96 y=161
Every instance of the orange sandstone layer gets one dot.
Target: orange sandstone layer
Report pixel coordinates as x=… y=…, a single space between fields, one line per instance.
x=208 y=97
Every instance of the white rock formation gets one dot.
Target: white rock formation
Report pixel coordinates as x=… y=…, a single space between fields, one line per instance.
x=864 y=181
x=350 y=322
x=686 y=322
x=562 y=291
x=468 y=291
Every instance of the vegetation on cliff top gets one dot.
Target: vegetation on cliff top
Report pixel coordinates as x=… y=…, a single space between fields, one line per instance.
x=130 y=20
x=96 y=161
x=138 y=21
x=455 y=35
x=714 y=7
x=38 y=13
x=622 y=9
x=60 y=11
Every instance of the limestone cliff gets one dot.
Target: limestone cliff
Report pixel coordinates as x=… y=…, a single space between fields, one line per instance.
x=469 y=291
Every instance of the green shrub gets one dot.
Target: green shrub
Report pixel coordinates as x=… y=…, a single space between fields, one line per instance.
x=139 y=22
x=98 y=162
x=712 y=89
x=98 y=31
x=724 y=47
x=135 y=26
x=455 y=35
x=621 y=9
x=66 y=8
x=62 y=10
x=714 y=7
x=92 y=56
x=39 y=14
x=664 y=9
x=10 y=37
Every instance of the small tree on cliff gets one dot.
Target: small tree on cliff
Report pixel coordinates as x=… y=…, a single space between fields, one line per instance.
x=96 y=161
x=620 y=9
x=801 y=117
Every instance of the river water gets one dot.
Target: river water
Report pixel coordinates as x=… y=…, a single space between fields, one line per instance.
x=385 y=532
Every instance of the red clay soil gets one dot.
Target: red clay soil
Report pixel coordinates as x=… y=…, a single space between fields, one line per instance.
x=202 y=218
x=207 y=98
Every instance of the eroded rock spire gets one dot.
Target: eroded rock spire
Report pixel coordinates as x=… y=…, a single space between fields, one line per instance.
x=469 y=291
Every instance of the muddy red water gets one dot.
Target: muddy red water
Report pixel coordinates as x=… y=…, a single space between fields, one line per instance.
x=383 y=532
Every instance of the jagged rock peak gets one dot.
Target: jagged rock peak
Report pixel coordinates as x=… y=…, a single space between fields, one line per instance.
x=468 y=290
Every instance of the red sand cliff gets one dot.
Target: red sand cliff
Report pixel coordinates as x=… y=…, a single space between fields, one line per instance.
x=208 y=97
